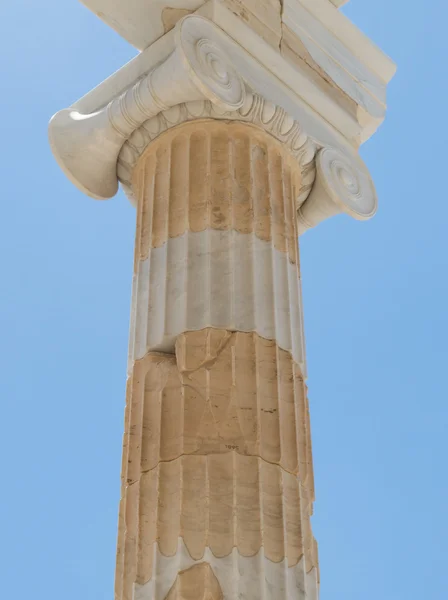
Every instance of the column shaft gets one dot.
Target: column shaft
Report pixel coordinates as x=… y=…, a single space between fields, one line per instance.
x=217 y=467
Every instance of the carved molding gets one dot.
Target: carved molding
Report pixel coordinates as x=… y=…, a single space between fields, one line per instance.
x=256 y=110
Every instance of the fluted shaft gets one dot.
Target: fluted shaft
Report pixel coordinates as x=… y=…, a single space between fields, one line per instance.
x=216 y=238
x=217 y=470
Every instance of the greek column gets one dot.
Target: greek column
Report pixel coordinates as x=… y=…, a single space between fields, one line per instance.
x=217 y=476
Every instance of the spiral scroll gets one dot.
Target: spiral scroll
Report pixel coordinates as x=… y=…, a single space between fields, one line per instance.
x=341 y=186
x=349 y=186
x=208 y=65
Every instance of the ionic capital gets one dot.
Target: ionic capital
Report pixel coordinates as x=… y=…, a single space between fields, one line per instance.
x=198 y=80
x=333 y=180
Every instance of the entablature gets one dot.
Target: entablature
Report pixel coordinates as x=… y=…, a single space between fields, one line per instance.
x=321 y=61
x=142 y=22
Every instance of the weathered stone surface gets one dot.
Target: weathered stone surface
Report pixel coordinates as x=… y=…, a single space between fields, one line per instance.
x=222 y=501
x=217 y=175
x=222 y=392
x=216 y=224
x=218 y=279
x=217 y=453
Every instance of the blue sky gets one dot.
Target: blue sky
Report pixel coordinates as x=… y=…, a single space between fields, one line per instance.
x=376 y=323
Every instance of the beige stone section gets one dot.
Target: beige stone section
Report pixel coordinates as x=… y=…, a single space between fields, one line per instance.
x=221 y=502
x=222 y=392
x=197 y=583
x=218 y=175
x=263 y=16
x=217 y=452
x=170 y=16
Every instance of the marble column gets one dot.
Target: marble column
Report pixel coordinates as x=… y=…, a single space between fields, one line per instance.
x=217 y=468
x=231 y=143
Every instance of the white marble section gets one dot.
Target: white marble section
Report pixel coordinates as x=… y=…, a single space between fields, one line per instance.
x=240 y=577
x=222 y=279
